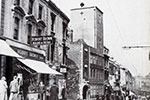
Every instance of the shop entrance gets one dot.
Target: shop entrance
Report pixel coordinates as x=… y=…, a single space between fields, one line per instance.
x=85 y=90
x=9 y=69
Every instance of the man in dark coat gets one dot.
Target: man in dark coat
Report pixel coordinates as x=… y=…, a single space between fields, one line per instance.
x=54 y=92
x=63 y=93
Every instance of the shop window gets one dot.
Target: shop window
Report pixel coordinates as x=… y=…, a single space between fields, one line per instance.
x=29 y=33
x=30 y=6
x=16 y=28
x=17 y=2
x=40 y=12
x=53 y=17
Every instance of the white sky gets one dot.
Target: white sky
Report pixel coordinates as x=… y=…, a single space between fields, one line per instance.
x=126 y=23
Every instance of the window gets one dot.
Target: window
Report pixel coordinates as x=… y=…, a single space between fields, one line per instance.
x=40 y=12
x=30 y=6
x=39 y=32
x=16 y=28
x=17 y=2
x=64 y=29
x=29 y=33
x=53 y=17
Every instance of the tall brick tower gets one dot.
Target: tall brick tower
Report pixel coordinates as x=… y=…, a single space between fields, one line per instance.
x=87 y=24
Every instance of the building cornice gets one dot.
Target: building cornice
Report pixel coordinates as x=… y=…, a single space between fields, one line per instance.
x=92 y=7
x=53 y=5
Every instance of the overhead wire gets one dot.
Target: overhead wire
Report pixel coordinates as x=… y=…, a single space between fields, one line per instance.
x=119 y=31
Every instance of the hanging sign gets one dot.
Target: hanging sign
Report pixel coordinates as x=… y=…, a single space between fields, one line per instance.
x=41 y=40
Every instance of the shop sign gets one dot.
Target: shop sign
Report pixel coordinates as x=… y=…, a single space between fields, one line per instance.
x=28 y=54
x=63 y=70
x=41 y=40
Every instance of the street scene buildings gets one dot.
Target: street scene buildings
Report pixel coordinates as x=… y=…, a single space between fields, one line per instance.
x=40 y=49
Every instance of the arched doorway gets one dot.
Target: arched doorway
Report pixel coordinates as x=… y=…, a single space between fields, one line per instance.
x=85 y=92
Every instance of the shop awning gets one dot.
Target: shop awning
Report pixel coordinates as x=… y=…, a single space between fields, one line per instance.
x=6 y=50
x=38 y=66
x=131 y=93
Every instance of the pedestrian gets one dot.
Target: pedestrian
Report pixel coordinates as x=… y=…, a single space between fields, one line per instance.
x=41 y=87
x=63 y=93
x=47 y=92
x=3 y=88
x=54 y=92
x=14 y=89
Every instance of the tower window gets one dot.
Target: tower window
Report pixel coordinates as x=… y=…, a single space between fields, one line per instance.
x=16 y=28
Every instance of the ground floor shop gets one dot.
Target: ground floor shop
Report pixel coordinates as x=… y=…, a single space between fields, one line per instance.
x=35 y=76
x=32 y=81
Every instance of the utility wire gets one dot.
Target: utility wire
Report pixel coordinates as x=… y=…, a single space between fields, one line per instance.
x=118 y=29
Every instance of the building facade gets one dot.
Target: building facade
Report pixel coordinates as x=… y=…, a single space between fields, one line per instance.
x=36 y=30
x=142 y=86
x=86 y=52
x=127 y=82
x=89 y=74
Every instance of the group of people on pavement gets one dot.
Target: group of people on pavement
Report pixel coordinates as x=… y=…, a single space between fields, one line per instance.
x=54 y=91
x=13 y=87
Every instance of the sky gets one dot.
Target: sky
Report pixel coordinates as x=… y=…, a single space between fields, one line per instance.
x=126 y=23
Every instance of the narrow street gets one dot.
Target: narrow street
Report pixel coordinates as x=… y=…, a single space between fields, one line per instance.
x=91 y=54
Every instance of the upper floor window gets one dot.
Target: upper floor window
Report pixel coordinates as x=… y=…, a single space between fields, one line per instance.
x=64 y=29
x=30 y=6
x=40 y=12
x=29 y=33
x=39 y=32
x=17 y=2
x=16 y=28
x=53 y=17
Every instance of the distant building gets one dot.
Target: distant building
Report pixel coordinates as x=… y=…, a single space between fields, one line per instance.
x=127 y=81
x=143 y=85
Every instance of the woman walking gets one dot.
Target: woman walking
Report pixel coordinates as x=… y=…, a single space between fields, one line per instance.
x=3 y=89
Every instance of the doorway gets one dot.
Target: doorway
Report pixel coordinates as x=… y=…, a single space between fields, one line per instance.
x=85 y=92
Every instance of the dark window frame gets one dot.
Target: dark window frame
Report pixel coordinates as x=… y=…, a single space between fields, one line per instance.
x=64 y=29
x=40 y=12
x=53 y=18
x=16 y=28
x=29 y=33
x=30 y=11
x=17 y=2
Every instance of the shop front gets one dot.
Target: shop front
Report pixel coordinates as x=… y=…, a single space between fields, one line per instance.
x=33 y=73
x=36 y=77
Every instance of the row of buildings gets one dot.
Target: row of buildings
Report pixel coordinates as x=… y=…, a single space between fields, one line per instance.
x=143 y=85
x=75 y=57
